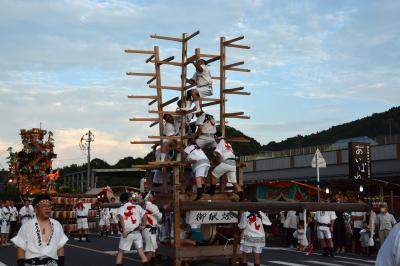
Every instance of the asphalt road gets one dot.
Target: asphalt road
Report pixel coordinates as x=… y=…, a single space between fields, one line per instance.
x=101 y=251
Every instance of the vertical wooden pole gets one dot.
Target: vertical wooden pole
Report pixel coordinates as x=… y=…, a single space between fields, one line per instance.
x=158 y=85
x=177 y=216
x=178 y=170
x=160 y=108
x=183 y=89
x=222 y=86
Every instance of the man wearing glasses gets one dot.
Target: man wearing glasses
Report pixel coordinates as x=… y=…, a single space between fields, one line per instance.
x=41 y=240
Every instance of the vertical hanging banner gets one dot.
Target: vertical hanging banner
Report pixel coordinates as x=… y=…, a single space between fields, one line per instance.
x=359 y=160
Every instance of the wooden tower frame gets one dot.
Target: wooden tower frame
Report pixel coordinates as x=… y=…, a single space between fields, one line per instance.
x=179 y=253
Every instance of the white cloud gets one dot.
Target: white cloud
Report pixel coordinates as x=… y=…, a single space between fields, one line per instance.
x=63 y=62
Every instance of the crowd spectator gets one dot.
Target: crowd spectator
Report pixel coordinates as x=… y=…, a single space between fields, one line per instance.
x=357 y=219
x=291 y=226
x=384 y=223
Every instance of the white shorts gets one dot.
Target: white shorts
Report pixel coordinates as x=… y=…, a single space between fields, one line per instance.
x=104 y=222
x=82 y=223
x=204 y=91
x=202 y=171
x=206 y=142
x=150 y=240
x=224 y=168
x=250 y=249
x=125 y=244
x=5 y=228
x=323 y=232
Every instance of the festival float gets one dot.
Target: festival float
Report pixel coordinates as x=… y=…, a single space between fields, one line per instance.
x=31 y=167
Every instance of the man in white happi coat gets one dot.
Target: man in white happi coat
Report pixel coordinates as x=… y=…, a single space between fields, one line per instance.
x=149 y=233
x=253 y=239
x=325 y=224
x=200 y=166
x=130 y=216
x=104 y=222
x=27 y=212
x=13 y=219
x=206 y=129
x=169 y=130
x=82 y=213
x=5 y=215
x=41 y=240
x=113 y=218
x=226 y=164
x=203 y=81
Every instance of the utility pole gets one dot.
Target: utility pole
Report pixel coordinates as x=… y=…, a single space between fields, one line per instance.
x=84 y=144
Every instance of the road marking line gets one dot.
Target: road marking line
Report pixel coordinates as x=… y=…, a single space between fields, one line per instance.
x=352 y=263
x=252 y=264
x=286 y=263
x=319 y=254
x=323 y=263
x=2 y=264
x=99 y=251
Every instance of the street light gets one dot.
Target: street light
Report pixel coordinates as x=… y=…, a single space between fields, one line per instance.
x=361 y=188
x=327 y=190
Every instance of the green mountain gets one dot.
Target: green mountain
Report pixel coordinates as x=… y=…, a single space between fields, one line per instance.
x=377 y=124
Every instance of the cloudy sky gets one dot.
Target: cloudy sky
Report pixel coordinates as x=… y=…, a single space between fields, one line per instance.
x=314 y=64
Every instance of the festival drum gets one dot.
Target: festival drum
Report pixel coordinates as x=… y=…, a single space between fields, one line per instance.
x=208 y=232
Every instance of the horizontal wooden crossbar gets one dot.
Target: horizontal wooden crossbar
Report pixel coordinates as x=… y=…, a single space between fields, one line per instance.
x=233 y=89
x=145 y=142
x=234 y=64
x=163 y=62
x=151 y=80
x=138 y=51
x=233 y=40
x=141 y=74
x=238 y=139
x=210 y=99
x=168 y=112
x=218 y=78
x=238 y=46
x=174 y=88
x=166 y=38
x=191 y=36
x=240 y=117
x=209 y=55
x=233 y=114
x=211 y=103
x=238 y=69
x=239 y=92
x=142 y=97
x=143 y=119
x=169 y=163
x=164 y=137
